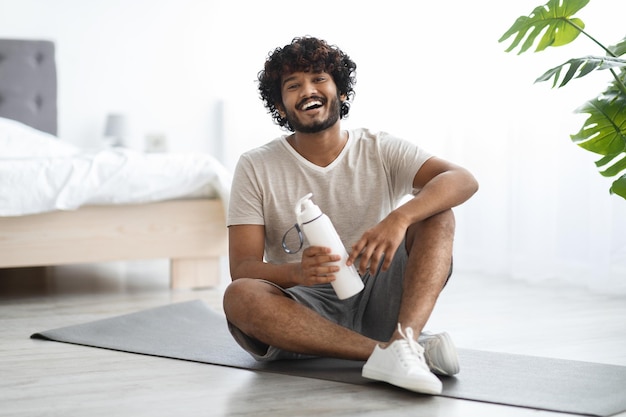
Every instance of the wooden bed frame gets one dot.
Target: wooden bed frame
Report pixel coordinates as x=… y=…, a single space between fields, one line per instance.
x=191 y=233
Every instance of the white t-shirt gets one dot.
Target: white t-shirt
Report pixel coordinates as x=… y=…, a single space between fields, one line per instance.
x=359 y=188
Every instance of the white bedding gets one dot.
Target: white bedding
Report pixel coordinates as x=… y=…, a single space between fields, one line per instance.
x=40 y=173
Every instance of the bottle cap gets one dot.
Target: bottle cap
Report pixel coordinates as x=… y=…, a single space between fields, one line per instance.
x=306 y=211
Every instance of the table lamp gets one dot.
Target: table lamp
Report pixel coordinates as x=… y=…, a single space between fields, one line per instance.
x=116 y=129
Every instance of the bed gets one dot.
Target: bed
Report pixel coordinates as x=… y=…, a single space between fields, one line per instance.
x=101 y=208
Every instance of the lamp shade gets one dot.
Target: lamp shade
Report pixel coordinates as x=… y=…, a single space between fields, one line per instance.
x=116 y=127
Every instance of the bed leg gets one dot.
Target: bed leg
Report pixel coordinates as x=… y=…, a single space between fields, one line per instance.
x=194 y=273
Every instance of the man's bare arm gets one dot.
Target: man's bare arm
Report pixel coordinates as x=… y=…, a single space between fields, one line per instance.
x=246 y=248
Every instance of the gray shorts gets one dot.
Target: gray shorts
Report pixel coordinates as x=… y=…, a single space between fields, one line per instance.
x=373 y=312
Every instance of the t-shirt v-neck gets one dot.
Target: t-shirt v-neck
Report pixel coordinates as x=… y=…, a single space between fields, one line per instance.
x=310 y=164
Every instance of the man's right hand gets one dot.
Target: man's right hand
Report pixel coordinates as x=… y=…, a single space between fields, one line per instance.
x=314 y=267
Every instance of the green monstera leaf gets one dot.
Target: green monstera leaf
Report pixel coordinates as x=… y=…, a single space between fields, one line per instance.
x=619 y=49
x=579 y=67
x=555 y=18
x=604 y=132
x=619 y=186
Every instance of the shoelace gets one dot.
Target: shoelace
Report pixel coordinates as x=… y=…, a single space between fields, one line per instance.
x=415 y=350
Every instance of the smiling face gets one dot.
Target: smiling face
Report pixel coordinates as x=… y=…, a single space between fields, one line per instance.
x=311 y=56
x=310 y=101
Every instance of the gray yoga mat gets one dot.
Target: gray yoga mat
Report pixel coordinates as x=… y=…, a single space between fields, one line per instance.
x=192 y=331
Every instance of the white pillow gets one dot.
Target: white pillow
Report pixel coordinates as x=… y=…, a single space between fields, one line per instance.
x=18 y=140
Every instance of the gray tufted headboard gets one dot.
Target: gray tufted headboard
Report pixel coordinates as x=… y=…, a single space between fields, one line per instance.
x=28 y=83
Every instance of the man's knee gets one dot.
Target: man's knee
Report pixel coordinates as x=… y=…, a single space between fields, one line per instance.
x=238 y=295
x=244 y=296
x=444 y=221
x=439 y=226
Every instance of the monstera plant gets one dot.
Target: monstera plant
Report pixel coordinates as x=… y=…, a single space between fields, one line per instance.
x=604 y=131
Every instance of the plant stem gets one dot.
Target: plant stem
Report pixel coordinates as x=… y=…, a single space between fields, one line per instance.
x=581 y=30
x=618 y=81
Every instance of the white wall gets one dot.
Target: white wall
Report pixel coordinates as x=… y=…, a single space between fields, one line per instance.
x=172 y=64
x=432 y=72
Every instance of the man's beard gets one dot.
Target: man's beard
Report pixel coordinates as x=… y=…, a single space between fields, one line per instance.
x=334 y=113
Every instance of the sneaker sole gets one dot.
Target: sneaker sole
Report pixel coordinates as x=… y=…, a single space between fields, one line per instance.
x=422 y=387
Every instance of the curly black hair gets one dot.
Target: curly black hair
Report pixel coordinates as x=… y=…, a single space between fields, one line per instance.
x=305 y=54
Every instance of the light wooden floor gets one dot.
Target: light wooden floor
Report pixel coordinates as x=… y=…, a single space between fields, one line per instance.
x=40 y=378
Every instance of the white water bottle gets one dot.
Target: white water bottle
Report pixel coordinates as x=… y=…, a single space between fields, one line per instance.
x=319 y=231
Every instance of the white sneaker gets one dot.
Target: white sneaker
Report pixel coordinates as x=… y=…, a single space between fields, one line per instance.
x=440 y=353
x=402 y=364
